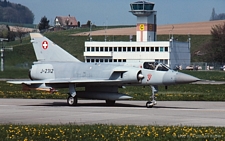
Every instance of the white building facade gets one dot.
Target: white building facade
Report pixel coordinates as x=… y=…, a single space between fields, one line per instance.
x=171 y=53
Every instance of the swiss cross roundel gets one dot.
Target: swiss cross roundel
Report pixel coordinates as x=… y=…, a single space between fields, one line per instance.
x=44 y=44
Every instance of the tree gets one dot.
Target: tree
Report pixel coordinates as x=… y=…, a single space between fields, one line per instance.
x=44 y=24
x=20 y=31
x=214 y=50
x=221 y=16
x=213 y=15
x=4 y=31
x=89 y=23
x=15 y=13
x=11 y=36
x=5 y=3
x=218 y=42
x=78 y=24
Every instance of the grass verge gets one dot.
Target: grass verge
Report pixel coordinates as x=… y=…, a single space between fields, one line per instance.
x=108 y=132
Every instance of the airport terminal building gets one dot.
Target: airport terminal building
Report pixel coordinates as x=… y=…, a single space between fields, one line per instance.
x=145 y=49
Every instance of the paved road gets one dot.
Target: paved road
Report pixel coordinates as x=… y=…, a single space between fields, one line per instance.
x=39 y=111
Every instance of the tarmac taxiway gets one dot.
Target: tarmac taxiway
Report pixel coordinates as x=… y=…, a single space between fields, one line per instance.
x=45 y=111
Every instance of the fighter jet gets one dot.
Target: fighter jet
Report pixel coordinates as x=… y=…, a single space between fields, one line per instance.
x=55 y=68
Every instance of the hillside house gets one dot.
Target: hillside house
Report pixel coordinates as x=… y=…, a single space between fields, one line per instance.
x=65 y=21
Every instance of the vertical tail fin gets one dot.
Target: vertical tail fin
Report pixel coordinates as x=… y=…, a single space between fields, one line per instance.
x=46 y=50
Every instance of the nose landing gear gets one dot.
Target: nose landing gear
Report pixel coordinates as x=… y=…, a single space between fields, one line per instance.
x=152 y=98
x=72 y=101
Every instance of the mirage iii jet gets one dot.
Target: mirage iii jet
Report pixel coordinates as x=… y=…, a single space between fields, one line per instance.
x=55 y=68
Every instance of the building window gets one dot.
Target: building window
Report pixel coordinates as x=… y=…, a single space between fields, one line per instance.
x=110 y=48
x=152 y=49
x=143 y=49
x=92 y=49
x=106 y=49
x=114 y=60
x=88 y=49
x=97 y=49
x=133 y=49
x=124 y=49
x=129 y=49
x=161 y=60
x=101 y=49
x=147 y=49
x=92 y=60
x=110 y=60
x=124 y=60
x=156 y=49
x=120 y=49
x=97 y=60
x=166 y=49
x=166 y=61
x=119 y=60
x=88 y=60
x=161 y=49
x=115 y=49
x=106 y=60
x=101 y=60
x=138 y=49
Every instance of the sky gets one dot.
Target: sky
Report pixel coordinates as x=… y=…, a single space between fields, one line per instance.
x=116 y=12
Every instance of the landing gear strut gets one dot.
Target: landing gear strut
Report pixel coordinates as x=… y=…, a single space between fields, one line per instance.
x=72 y=98
x=152 y=98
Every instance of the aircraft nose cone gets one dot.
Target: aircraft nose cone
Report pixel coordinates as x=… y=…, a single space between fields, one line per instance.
x=182 y=78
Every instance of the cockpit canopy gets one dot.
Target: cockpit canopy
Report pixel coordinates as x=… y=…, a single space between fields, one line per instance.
x=155 y=66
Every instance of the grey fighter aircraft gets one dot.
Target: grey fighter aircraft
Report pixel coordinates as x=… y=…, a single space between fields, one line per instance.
x=55 y=68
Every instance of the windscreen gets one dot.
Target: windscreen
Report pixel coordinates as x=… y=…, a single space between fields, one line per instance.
x=149 y=65
x=162 y=67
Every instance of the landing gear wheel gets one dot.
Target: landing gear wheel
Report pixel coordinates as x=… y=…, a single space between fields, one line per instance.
x=149 y=104
x=72 y=101
x=110 y=102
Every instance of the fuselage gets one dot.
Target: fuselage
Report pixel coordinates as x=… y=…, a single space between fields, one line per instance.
x=124 y=75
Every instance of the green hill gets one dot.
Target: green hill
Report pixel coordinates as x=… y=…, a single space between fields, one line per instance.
x=23 y=55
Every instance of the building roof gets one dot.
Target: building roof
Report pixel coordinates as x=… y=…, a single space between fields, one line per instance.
x=67 y=20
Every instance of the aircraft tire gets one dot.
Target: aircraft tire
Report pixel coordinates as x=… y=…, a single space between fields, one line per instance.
x=110 y=102
x=72 y=101
x=149 y=104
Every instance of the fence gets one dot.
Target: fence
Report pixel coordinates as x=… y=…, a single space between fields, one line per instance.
x=207 y=66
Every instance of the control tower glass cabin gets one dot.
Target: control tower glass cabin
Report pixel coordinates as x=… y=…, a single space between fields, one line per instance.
x=146 y=20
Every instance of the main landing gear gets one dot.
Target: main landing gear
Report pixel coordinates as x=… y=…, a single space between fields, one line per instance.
x=72 y=98
x=110 y=102
x=152 y=98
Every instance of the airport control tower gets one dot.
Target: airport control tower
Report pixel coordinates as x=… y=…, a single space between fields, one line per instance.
x=146 y=20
